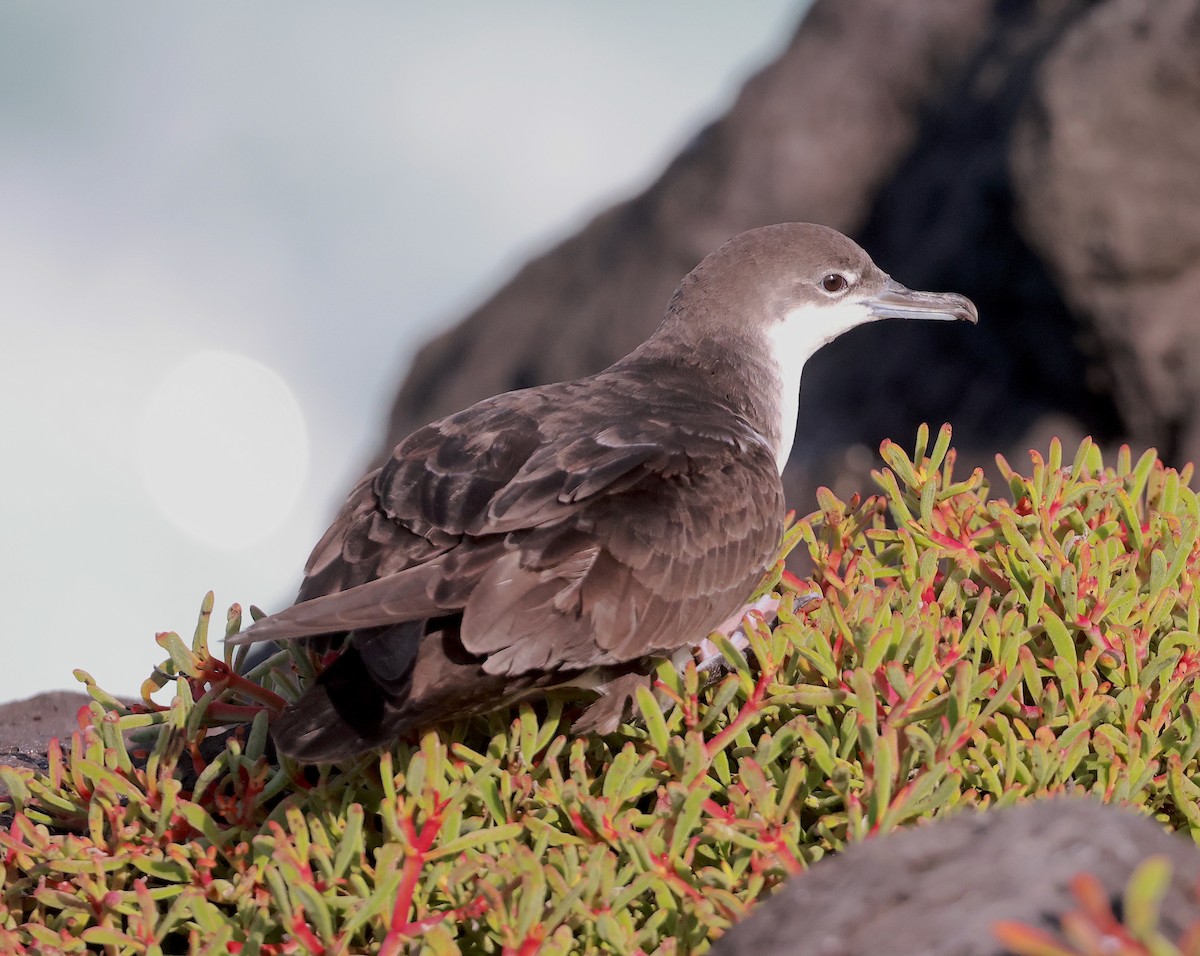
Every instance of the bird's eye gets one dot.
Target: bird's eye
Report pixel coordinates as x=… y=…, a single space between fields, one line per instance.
x=834 y=282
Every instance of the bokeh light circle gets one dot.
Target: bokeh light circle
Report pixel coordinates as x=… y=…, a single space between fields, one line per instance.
x=224 y=448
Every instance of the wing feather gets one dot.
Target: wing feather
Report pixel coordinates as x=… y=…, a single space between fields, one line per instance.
x=635 y=573
x=406 y=596
x=564 y=544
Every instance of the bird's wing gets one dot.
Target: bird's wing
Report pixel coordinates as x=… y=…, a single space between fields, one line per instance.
x=363 y=544
x=503 y=465
x=648 y=560
x=517 y=461
x=396 y=598
x=591 y=547
x=425 y=517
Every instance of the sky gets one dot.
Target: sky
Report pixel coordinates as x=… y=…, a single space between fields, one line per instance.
x=225 y=229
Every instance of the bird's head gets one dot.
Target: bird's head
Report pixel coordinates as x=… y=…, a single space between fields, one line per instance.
x=802 y=285
x=771 y=297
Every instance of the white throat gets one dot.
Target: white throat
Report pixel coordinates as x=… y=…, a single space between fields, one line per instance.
x=792 y=342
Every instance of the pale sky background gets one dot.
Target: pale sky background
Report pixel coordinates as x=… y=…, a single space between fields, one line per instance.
x=225 y=228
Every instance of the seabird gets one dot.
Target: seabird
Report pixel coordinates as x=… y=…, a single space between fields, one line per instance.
x=576 y=534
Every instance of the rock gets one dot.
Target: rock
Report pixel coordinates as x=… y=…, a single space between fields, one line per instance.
x=1106 y=162
x=938 y=889
x=26 y=727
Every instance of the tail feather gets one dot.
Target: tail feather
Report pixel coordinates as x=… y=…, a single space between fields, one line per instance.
x=399 y=597
x=392 y=681
x=342 y=714
x=385 y=684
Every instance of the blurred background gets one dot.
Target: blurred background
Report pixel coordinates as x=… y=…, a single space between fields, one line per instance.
x=225 y=229
x=232 y=238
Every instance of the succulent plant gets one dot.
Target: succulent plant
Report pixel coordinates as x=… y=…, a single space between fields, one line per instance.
x=968 y=649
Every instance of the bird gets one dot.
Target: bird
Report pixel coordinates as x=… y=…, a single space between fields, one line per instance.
x=575 y=534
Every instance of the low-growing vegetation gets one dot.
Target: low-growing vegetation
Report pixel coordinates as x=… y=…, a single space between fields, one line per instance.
x=968 y=649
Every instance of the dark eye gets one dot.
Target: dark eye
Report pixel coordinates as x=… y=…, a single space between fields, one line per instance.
x=834 y=282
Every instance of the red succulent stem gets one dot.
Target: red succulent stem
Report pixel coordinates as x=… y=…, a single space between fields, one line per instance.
x=222 y=676
x=746 y=713
x=531 y=945
x=420 y=842
x=303 y=934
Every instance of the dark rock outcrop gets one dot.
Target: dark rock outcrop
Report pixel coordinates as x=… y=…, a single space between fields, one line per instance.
x=938 y=890
x=1106 y=166
x=1039 y=157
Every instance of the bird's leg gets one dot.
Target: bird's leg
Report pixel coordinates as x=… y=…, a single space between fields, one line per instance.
x=618 y=691
x=709 y=661
x=711 y=664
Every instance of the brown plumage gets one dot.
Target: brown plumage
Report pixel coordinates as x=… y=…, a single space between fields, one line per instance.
x=576 y=533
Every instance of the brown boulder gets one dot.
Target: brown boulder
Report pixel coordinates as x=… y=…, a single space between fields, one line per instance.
x=1106 y=163
x=939 y=889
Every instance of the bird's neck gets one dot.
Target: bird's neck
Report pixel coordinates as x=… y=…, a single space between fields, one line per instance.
x=736 y=370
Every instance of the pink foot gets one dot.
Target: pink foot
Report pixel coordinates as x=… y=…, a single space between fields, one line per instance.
x=709 y=660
